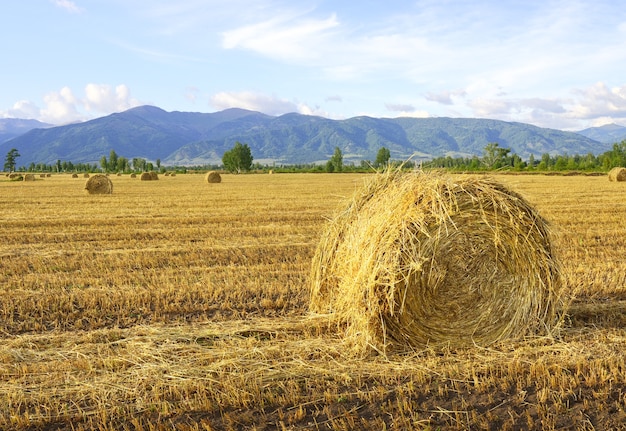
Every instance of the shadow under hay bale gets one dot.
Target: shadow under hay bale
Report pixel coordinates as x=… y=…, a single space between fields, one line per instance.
x=422 y=259
x=99 y=185
x=617 y=174
x=213 y=177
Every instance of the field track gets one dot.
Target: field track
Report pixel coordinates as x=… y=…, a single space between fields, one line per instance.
x=181 y=304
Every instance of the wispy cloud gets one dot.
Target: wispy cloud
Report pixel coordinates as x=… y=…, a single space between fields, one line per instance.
x=445 y=97
x=68 y=5
x=399 y=107
x=284 y=37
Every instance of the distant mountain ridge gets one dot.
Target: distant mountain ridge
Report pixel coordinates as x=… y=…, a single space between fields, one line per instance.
x=191 y=138
x=13 y=127
x=608 y=134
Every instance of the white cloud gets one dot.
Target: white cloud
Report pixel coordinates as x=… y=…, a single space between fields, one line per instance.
x=22 y=109
x=406 y=110
x=63 y=107
x=252 y=101
x=68 y=5
x=102 y=98
x=270 y=105
x=597 y=104
x=600 y=101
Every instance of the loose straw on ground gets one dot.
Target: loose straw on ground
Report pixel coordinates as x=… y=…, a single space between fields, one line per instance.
x=420 y=259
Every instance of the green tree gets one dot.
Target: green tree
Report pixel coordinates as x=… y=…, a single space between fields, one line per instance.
x=382 y=157
x=495 y=156
x=113 y=160
x=139 y=164
x=238 y=159
x=104 y=164
x=122 y=164
x=335 y=164
x=9 y=160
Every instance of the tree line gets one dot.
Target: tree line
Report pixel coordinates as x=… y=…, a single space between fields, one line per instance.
x=239 y=159
x=499 y=158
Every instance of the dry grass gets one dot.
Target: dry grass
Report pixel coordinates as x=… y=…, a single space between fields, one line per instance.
x=421 y=259
x=154 y=313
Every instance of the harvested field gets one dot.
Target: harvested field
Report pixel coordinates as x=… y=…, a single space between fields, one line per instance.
x=173 y=305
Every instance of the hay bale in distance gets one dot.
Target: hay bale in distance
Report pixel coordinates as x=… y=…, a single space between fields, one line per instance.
x=145 y=176
x=99 y=185
x=85 y=175
x=29 y=177
x=617 y=174
x=154 y=176
x=74 y=175
x=422 y=259
x=213 y=177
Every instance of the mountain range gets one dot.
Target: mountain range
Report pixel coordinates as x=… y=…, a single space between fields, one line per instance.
x=13 y=127
x=191 y=138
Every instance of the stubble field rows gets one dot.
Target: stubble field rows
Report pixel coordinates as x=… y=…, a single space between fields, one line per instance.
x=176 y=303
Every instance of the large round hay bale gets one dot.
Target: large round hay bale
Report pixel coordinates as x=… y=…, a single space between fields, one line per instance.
x=145 y=176
x=421 y=259
x=29 y=177
x=617 y=174
x=99 y=185
x=213 y=177
x=74 y=175
x=133 y=175
x=154 y=175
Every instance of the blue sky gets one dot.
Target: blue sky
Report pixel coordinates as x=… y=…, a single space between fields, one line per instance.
x=558 y=64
